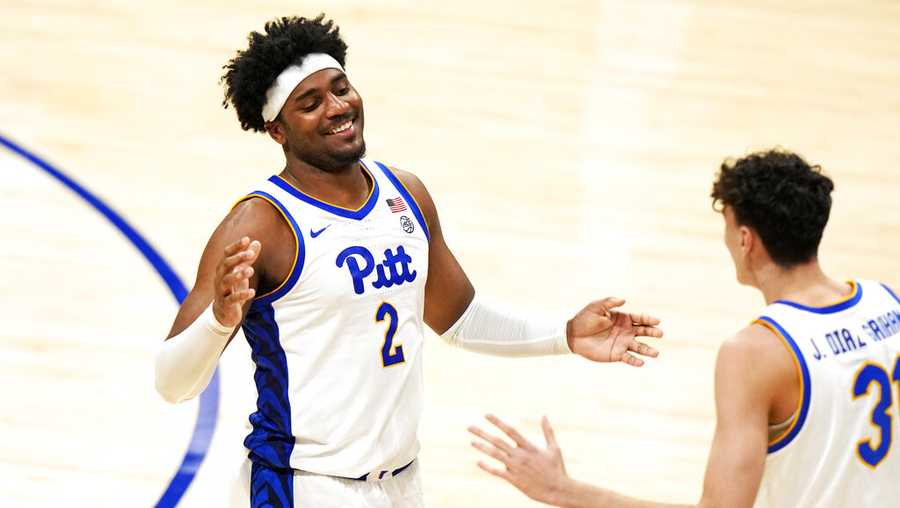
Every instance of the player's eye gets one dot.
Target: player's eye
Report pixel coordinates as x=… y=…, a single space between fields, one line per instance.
x=309 y=106
x=341 y=86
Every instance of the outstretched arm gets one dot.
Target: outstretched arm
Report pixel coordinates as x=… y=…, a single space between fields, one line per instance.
x=540 y=473
x=750 y=373
x=598 y=332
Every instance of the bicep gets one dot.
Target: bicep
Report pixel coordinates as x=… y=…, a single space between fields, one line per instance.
x=738 y=453
x=448 y=290
x=735 y=466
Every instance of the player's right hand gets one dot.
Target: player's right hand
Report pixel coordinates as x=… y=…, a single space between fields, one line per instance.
x=602 y=334
x=232 y=284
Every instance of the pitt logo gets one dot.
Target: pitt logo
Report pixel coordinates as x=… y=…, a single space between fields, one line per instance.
x=393 y=271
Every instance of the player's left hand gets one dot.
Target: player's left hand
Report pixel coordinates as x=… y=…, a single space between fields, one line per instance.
x=602 y=334
x=539 y=473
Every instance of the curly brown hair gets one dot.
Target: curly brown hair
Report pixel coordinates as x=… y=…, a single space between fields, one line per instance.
x=783 y=198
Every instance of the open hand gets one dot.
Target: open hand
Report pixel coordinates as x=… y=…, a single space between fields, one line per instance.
x=539 y=473
x=602 y=334
x=232 y=282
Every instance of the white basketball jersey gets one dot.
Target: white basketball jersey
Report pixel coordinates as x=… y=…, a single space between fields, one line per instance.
x=338 y=346
x=839 y=449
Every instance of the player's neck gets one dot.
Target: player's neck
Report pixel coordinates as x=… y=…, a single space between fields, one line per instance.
x=806 y=284
x=346 y=187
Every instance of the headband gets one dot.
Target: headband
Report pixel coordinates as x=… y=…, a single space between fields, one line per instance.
x=289 y=78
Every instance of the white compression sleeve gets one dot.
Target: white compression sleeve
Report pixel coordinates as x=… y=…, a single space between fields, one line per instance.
x=484 y=328
x=185 y=363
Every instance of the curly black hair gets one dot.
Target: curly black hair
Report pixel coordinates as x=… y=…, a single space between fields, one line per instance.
x=783 y=198
x=286 y=41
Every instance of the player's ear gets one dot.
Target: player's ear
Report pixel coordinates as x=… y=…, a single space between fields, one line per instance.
x=747 y=239
x=275 y=128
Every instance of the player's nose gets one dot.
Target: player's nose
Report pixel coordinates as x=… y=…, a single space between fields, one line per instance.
x=336 y=106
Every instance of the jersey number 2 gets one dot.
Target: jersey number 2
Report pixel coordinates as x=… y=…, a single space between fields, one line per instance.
x=881 y=418
x=386 y=310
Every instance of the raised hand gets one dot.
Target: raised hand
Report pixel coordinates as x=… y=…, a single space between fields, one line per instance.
x=232 y=283
x=538 y=472
x=602 y=334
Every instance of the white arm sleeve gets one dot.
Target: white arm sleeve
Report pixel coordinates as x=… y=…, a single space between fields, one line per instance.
x=484 y=328
x=186 y=362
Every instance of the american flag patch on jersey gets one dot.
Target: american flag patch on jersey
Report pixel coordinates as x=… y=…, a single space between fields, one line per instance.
x=396 y=205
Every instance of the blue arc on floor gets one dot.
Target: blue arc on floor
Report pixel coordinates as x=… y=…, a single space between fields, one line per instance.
x=209 y=400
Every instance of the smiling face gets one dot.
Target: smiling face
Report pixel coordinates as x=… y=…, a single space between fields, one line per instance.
x=321 y=122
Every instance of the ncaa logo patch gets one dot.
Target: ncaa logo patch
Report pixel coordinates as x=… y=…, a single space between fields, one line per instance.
x=407 y=224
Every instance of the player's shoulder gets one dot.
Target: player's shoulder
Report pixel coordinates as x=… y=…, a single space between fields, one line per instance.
x=253 y=216
x=254 y=209
x=417 y=188
x=756 y=347
x=758 y=337
x=404 y=177
x=409 y=179
x=754 y=361
x=751 y=341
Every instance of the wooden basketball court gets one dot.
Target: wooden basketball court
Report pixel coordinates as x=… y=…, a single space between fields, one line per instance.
x=570 y=147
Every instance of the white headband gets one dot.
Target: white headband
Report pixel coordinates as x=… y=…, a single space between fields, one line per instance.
x=289 y=78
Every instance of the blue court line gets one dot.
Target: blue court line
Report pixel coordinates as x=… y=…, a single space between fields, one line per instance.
x=209 y=400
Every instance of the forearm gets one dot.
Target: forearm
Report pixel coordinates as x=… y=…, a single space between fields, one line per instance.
x=485 y=328
x=575 y=494
x=185 y=363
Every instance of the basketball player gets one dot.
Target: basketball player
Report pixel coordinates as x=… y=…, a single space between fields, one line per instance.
x=333 y=267
x=803 y=394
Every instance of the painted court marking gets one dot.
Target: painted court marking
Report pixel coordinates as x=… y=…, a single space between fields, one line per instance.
x=209 y=400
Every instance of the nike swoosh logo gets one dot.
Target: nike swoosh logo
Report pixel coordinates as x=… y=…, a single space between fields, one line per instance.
x=319 y=232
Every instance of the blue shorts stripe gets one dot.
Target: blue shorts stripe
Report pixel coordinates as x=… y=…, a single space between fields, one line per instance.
x=271 y=488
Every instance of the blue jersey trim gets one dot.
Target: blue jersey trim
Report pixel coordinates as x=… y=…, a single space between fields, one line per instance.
x=299 y=255
x=413 y=204
x=853 y=299
x=891 y=292
x=271 y=441
x=807 y=387
x=208 y=411
x=337 y=210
